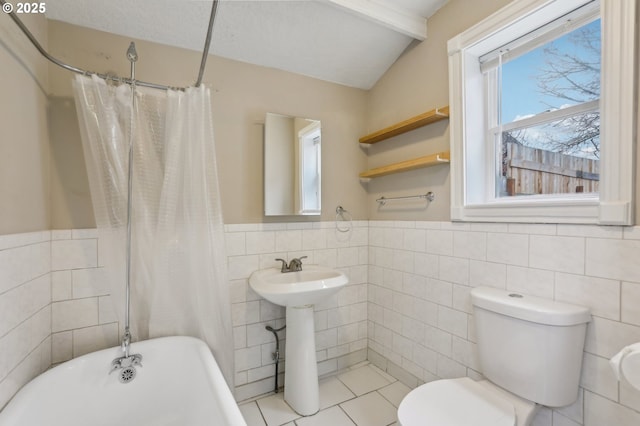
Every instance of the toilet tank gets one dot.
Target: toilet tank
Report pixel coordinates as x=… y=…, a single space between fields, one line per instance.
x=530 y=346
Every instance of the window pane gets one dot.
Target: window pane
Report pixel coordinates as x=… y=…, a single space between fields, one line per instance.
x=560 y=157
x=560 y=73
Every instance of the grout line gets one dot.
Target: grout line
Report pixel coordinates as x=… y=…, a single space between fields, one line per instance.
x=24 y=283
x=264 y=419
x=25 y=320
x=23 y=245
x=348 y=416
x=386 y=399
x=23 y=359
x=80 y=298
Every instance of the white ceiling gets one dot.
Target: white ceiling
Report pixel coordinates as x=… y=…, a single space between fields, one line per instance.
x=351 y=42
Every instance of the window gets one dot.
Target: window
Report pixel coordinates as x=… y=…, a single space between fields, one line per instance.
x=543 y=114
x=309 y=149
x=546 y=120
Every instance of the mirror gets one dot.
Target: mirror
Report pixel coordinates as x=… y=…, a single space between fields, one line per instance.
x=292 y=157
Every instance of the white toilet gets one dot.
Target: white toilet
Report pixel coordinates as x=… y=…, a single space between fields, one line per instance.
x=530 y=350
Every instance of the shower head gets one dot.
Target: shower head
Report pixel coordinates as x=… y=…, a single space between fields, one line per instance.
x=132 y=55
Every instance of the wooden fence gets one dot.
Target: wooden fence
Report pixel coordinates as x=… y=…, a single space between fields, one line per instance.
x=536 y=171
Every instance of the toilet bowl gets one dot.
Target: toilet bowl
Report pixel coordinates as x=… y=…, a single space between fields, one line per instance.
x=464 y=402
x=530 y=350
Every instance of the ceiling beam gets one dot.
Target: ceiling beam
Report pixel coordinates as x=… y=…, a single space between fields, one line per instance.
x=384 y=13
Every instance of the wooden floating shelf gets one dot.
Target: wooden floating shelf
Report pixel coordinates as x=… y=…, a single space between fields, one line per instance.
x=407 y=125
x=403 y=166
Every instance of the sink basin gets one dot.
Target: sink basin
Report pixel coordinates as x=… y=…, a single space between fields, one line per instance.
x=307 y=287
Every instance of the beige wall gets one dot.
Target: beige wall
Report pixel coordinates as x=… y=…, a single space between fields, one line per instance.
x=24 y=143
x=242 y=94
x=70 y=197
x=418 y=82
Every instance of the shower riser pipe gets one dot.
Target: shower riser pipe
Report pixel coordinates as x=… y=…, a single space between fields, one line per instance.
x=132 y=56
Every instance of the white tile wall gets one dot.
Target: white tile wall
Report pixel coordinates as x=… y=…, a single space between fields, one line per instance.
x=25 y=309
x=82 y=316
x=54 y=303
x=589 y=265
x=341 y=322
x=406 y=309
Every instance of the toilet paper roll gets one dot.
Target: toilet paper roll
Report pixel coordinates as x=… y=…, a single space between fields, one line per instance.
x=626 y=363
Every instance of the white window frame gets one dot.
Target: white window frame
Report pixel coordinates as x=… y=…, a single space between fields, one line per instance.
x=473 y=166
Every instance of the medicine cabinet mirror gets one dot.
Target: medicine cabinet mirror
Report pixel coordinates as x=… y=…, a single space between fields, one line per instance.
x=292 y=154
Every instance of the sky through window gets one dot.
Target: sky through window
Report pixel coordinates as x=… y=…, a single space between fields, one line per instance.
x=521 y=95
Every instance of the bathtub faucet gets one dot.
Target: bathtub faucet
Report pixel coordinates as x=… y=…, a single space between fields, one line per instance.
x=134 y=360
x=127 y=362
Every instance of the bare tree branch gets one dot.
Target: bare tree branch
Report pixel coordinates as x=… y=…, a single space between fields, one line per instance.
x=572 y=76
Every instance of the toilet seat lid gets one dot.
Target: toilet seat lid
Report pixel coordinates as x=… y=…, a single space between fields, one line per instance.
x=459 y=402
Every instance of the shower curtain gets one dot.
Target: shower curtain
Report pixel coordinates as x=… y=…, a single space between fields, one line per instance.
x=178 y=261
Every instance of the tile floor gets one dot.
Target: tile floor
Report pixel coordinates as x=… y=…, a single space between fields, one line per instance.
x=363 y=395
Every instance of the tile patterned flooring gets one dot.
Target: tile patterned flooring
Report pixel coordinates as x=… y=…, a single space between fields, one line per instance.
x=362 y=395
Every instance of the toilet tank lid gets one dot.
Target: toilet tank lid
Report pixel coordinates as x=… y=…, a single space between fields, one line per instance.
x=529 y=308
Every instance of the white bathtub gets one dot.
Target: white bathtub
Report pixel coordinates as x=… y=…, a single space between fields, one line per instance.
x=179 y=383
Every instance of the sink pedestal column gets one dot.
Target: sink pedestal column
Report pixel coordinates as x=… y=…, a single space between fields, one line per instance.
x=301 y=370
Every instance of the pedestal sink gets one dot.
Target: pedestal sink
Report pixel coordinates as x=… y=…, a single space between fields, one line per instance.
x=298 y=292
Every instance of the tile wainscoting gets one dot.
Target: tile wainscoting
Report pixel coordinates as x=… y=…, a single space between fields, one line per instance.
x=54 y=306
x=420 y=320
x=406 y=308
x=60 y=273
x=82 y=316
x=25 y=309
x=340 y=322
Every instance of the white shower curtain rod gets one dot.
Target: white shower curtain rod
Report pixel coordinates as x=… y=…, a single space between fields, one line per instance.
x=68 y=67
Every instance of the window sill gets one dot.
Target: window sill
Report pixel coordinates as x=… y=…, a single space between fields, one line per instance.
x=585 y=210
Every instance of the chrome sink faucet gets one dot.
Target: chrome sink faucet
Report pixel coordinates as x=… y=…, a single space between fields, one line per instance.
x=294 y=266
